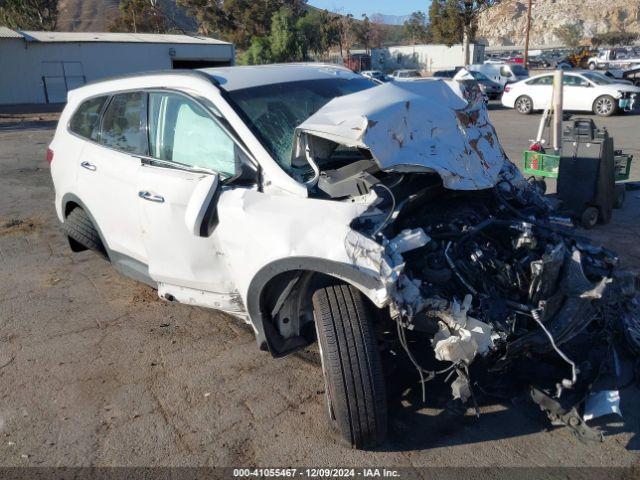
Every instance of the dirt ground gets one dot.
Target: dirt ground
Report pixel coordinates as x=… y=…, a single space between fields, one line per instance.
x=96 y=370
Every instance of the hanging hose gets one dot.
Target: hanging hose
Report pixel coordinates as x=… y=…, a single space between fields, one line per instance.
x=535 y=313
x=391 y=210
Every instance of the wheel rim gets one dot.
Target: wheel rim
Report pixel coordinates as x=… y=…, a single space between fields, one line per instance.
x=604 y=106
x=523 y=105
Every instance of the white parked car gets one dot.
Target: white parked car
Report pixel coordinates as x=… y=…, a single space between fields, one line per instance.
x=582 y=91
x=313 y=204
x=406 y=75
x=375 y=75
x=502 y=72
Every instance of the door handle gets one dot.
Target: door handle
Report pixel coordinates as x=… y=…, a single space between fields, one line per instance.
x=88 y=166
x=152 y=197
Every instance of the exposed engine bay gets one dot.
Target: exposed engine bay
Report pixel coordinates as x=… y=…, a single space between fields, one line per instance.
x=492 y=291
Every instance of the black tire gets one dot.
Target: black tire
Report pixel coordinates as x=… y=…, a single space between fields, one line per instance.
x=524 y=105
x=592 y=66
x=355 y=389
x=589 y=217
x=79 y=228
x=605 y=106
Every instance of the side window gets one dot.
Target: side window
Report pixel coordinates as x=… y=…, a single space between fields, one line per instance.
x=123 y=123
x=546 y=80
x=86 y=120
x=181 y=131
x=573 y=81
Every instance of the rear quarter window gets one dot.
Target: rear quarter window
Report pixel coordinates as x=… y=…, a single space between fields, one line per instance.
x=86 y=119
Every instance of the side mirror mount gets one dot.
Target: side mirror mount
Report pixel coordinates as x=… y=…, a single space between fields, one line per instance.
x=201 y=216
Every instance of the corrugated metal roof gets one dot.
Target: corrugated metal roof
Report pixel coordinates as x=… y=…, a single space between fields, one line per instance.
x=8 y=33
x=53 y=37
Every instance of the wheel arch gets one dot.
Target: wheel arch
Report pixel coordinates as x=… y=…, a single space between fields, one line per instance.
x=282 y=291
x=70 y=202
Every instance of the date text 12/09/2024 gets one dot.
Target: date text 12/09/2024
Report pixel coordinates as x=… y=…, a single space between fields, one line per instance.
x=316 y=472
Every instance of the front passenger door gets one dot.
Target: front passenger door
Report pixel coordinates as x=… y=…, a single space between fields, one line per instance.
x=186 y=144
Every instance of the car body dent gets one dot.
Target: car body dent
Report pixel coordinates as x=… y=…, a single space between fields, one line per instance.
x=439 y=126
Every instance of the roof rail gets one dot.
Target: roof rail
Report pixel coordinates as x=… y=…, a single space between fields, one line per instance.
x=149 y=73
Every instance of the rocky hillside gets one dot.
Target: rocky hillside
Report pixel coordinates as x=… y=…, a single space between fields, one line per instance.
x=504 y=23
x=87 y=15
x=96 y=15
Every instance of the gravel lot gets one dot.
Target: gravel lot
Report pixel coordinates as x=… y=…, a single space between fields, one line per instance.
x=96 y=370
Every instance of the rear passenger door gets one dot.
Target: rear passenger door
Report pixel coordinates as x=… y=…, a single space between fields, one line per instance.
x=107 y=176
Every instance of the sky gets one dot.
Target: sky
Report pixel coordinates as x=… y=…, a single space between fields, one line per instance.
x=358 y=7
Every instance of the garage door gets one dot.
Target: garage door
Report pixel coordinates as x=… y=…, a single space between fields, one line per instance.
x=60 y=77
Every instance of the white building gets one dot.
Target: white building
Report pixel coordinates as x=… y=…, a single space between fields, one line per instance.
x=41 y=67
x=427 y=58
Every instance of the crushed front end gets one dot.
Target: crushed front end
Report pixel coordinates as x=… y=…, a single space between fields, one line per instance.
x=489 y=290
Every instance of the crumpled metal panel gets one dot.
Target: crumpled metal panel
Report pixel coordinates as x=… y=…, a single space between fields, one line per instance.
x=430 y=125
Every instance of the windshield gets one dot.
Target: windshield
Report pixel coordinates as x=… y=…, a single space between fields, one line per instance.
x=274 y=111
x=598 y=78
x=519 y=70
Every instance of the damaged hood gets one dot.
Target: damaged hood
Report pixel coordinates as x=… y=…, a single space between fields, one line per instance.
x=432 y=125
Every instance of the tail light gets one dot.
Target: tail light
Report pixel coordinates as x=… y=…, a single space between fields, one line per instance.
x=49 y=156
x=507 y=88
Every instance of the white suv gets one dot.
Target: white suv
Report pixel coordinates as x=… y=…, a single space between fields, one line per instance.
x=311 y=203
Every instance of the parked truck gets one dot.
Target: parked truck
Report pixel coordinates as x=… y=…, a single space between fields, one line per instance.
x=613 y=58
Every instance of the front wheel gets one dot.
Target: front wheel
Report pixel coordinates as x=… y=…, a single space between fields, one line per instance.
x=524 y=105
x=604 y=106
x=592 y=66
x=355 y=389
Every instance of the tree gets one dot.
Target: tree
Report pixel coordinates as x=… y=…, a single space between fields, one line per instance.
x=362 y=32
x=29 y=14
x=569 y=34
x=258 y=53
x=286 y=43
x=309 y=27
x=415 y=28
x=238 y=21
x=139 y=16
x=455 y=21
x=331 y=30
x=347 y=34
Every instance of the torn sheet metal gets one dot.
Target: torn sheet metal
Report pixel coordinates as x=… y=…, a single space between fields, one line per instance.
x=386 y=260
x=439 y=126
x=599 y=404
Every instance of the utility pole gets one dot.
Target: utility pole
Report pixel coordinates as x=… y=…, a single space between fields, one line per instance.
x=526 y=37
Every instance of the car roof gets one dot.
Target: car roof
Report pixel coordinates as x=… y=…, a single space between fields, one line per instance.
x=238 y=78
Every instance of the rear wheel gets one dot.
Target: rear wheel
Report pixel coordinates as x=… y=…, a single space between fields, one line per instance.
x=604 y=106
x=80 y=229
x=524 y=105
x=355 y=389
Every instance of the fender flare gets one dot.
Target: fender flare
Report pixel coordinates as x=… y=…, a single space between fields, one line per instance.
x=367 y=284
